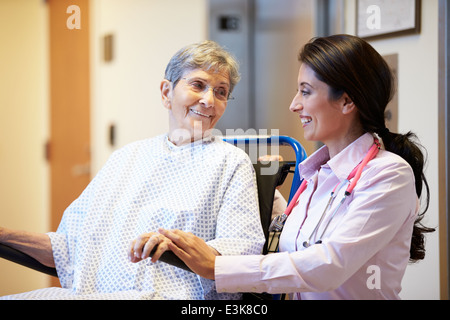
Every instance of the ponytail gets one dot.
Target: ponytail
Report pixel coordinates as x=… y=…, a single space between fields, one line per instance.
x=406 y=147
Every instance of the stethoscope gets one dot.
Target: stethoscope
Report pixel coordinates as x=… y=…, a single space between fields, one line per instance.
x=279 y=221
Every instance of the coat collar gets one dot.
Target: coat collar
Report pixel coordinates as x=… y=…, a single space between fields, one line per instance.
x=342 y=164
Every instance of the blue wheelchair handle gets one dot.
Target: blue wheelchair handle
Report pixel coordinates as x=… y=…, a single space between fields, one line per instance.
x=300 y=153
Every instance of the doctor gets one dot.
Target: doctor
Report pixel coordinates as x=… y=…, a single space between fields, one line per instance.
x=347 y=237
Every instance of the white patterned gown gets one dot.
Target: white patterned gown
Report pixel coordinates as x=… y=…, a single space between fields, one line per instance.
x=207 y=188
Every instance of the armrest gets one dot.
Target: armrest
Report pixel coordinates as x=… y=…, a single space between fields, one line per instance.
x=170 y=258
x=23 y=259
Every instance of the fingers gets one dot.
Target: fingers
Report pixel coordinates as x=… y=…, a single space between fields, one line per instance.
x=131 y=254
x=152 y=243
x=186 y=244
x=162 y=247
x=158 y=243
x=194 y=251
x=180 y=242
x=180 y=238
x=170 y=235
x=142 y=247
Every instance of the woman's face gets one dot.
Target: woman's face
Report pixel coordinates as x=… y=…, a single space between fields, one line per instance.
x=322 y=119
x=195 y=104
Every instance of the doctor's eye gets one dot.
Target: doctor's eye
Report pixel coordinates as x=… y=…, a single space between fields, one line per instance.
x=304 y=92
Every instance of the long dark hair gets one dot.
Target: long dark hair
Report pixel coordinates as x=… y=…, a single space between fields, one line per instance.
x=349 y=64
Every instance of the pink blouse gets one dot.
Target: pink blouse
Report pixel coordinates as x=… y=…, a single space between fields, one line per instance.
x=365 y=247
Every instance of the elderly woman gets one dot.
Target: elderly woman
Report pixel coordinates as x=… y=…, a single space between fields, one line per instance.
x=184 y=179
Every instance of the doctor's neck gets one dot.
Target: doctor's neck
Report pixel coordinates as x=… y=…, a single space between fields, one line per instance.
x=335 y=146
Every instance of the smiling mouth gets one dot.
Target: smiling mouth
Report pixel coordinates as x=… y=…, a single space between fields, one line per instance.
x=201 y=114
x=306 y=120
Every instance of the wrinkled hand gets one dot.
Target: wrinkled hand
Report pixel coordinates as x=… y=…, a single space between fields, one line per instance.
x=141 y=248
x=194 y=251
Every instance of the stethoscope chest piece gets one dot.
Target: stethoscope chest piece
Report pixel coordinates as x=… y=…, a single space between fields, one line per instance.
x=307 y=244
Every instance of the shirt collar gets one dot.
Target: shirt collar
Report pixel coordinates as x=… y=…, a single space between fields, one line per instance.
x=342 y=164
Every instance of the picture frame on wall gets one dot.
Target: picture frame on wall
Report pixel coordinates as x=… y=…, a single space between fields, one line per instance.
x=377 y=19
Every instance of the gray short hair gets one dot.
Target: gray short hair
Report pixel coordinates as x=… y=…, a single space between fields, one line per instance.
x=206 y=55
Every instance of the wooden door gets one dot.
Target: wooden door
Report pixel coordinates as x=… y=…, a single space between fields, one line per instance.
x=69 y=145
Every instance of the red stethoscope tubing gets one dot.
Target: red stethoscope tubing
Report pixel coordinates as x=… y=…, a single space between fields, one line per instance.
x=356 y=174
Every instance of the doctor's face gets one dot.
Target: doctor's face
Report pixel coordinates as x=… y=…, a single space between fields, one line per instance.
x=195 y=104
x=321 y=118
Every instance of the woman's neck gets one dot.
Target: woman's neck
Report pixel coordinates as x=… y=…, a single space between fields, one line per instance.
x=336 y=146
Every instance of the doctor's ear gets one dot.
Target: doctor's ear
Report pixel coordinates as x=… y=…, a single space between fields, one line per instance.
x=348 y=106
x=166 y=93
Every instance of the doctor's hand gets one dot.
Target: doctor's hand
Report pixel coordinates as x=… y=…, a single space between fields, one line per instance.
x=195 y=253
x=141 y=247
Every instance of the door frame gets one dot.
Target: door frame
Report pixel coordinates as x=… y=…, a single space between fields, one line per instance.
x=444 y=146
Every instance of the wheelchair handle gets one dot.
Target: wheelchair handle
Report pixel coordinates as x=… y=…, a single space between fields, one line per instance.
x=300 y=153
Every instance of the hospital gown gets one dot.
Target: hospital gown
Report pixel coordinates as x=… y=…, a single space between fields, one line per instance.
x=207 y=188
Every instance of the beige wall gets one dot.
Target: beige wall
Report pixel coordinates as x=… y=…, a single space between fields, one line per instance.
x=23 y=130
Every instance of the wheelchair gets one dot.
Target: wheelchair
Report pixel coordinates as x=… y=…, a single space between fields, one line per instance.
x=269 y=176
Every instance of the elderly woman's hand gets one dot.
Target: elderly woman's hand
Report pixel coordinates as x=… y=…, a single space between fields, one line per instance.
x=141 y=248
